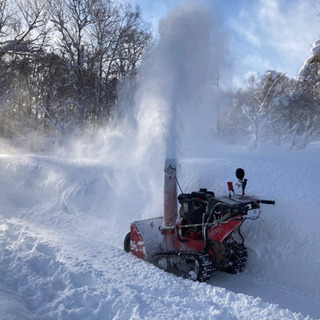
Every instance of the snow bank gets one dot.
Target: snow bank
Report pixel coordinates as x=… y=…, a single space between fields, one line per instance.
x=62 y=226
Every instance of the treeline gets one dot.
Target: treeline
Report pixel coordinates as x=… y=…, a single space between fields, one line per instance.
x=275 y=108
x=61 y=62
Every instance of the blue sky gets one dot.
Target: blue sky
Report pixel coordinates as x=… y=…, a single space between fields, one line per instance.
x=263 y=34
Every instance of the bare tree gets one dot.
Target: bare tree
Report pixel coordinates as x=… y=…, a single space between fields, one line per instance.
x=70 y=19
x=119 y=37
x=23 y=32
x=61 y=61
x=303 y=123
x=260 y=105
x=23 y=26
x=104 y=42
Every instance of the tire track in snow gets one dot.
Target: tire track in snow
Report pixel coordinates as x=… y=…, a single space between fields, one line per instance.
x=60 y=276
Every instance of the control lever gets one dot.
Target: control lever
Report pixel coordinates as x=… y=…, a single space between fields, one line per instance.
x=230 y=188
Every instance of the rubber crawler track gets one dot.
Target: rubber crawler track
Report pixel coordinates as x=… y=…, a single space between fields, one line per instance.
x=189 y=265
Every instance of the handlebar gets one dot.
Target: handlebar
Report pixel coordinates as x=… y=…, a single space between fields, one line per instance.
x=267 y=201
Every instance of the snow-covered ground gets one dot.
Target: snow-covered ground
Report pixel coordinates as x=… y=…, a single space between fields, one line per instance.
x=63 y=220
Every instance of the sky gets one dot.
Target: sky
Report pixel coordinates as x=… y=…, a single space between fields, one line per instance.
x=262 y=34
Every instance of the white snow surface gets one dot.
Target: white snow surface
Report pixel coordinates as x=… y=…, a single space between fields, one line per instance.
x=63 y=220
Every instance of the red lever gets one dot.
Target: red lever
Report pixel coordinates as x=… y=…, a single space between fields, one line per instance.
x=230 y=188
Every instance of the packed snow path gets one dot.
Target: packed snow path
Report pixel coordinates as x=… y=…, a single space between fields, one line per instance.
x=62 y=224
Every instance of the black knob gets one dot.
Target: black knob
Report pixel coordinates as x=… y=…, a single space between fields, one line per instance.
x=240 y=173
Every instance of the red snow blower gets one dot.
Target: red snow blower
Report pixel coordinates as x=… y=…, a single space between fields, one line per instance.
x=204 y=236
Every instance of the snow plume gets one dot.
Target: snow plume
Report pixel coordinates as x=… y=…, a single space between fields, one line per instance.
x=172 y=109
x=177 y=94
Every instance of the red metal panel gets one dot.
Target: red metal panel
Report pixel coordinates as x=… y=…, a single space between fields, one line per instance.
x=137 y=244
x=222 y=231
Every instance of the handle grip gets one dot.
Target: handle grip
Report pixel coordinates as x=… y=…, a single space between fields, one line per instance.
x=267 y=201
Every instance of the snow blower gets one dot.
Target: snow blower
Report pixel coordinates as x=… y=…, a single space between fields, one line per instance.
x=203 y=237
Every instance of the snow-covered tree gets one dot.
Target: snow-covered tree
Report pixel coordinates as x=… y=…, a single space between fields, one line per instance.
x=304 y=104
x=310 y=71
x=260 y=103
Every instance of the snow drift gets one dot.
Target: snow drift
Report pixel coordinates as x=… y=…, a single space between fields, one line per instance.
x=61 y=244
